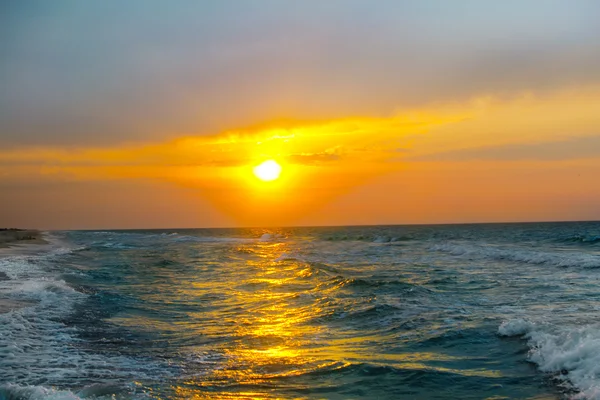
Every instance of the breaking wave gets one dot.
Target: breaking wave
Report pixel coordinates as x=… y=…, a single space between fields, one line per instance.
x=571 y=354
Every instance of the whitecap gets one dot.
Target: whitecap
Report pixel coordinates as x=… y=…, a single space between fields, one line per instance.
x=572 y=353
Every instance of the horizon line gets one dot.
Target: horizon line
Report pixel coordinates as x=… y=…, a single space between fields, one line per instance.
x=322 y=226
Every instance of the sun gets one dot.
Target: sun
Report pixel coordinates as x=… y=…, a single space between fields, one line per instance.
x=268 y=171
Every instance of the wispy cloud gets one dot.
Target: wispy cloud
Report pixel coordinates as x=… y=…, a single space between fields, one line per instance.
x=577 y=148
x=354 y=139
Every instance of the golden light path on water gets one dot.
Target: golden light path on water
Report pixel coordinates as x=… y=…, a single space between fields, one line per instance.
x=270 y=319
x=272 y=337
x=310 y=313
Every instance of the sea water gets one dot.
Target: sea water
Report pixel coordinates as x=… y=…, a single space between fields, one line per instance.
x=382 y=312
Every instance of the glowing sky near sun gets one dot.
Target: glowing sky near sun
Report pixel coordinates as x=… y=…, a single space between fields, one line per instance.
x=147 y=114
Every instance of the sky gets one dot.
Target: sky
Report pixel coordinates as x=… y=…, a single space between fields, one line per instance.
x=153 y=114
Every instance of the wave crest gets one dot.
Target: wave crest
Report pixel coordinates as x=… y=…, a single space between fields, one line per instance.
x=572 y=353
x=556 y=259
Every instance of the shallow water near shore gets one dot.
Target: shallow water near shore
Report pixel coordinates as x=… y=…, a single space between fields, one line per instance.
x=441 y=312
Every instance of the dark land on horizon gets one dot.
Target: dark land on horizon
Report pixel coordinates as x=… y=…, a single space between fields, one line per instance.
x=10 y=236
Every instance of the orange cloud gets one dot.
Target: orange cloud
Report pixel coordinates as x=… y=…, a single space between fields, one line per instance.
x=321 y=160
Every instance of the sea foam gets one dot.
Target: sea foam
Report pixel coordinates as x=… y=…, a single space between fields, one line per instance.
x=31 y=392
x=572 y=353
x=36 y=342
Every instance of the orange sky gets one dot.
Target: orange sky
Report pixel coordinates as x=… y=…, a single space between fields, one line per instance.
x=465 y=151
x=484 y=160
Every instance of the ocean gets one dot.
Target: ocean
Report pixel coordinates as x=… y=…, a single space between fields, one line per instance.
x=483 y=311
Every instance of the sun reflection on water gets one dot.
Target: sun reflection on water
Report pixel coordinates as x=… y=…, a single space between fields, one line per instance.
x=272 y=335
x=263 y=332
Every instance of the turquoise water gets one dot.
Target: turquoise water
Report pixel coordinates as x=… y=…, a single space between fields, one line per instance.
x=440 y=312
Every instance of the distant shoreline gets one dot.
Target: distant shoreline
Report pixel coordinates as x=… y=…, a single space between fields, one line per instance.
x=13 y=236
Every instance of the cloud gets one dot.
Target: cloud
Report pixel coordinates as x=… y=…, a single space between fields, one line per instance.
x=86 y=75
x=577 y=148
x=303 y=143
x=539 y=126
x=556 y=126
x=313 y=159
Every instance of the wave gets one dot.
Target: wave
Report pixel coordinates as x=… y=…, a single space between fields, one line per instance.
x=16 y=392
x=378 y=283
x=375 y=313
x=290 y=257
x=391 y=239
x=209 y=239
x=557 y=259
x=357 y=368
x=316 y=266
x=35 y=331
x=582 y=239
x=572 y=354
x=143 y=241
x=369 y=238
x=31 y=332
x=40 y=334
x=96 y=391
x=415 y=379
